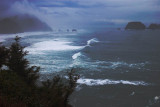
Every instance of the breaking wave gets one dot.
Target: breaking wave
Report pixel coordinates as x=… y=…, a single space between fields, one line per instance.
x=52 y=46
x=76 y=55
x=95 y=82
x=92 y=41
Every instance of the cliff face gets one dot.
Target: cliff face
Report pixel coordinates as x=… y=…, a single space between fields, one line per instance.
x=135 y=25
x=22 y=23
x=154 y=26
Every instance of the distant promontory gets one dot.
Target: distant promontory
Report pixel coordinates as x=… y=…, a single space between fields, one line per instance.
x=135 y=25
x=22 y=23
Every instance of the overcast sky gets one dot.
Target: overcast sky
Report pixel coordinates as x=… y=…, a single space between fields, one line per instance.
x=76 y=12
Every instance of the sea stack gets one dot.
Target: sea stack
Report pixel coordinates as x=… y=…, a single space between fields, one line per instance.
x=154 y=26
x=135 y=26
x=74 y=30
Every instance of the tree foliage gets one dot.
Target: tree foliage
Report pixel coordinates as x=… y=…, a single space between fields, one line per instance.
x=19 y=64
x=3 y=55
x=59 y=89
x=17 y=83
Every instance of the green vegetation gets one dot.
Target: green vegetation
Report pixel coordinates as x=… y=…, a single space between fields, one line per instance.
x=18 y=82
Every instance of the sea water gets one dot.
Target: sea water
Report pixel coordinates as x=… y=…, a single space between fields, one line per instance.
x=117 y=68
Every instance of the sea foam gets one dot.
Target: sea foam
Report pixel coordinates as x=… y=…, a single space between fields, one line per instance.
x=3 y=37
x=92 y=41
x=76 y=55
x=95 y=82
x=52 y=45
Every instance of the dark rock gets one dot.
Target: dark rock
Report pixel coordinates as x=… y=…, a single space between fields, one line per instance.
x=154 y=26
x=135 y=25
x=22 y=23
x=74 y=30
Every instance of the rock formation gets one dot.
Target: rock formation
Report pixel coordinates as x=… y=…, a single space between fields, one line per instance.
x=154 y=26
x=135 y=25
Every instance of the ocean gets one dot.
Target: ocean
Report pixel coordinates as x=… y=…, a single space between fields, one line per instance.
x=117 y=68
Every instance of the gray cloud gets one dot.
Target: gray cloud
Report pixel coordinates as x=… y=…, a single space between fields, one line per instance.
x=70 y=13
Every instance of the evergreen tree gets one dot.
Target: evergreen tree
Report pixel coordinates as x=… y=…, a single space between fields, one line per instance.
x=19 y=64
x=3 y=55
x=17 y=83
x=70 y=88
x=58 y=90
